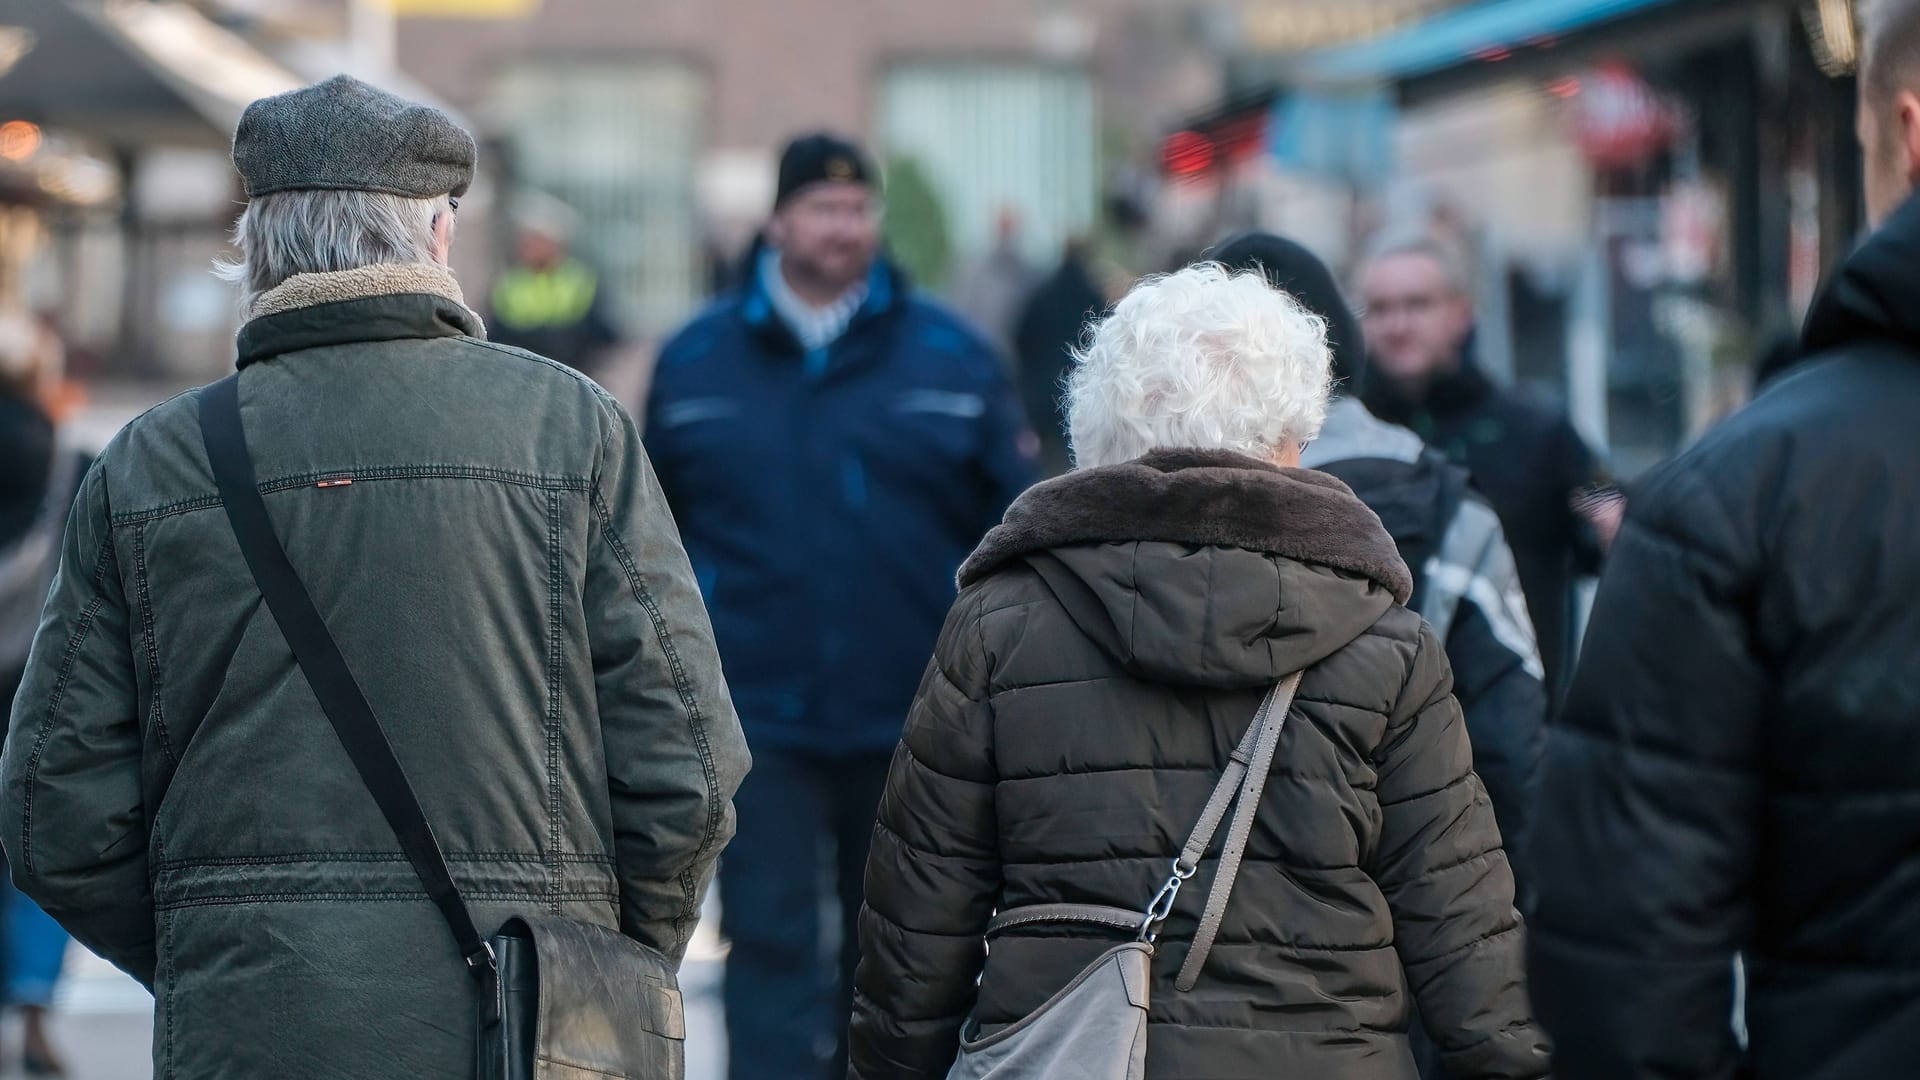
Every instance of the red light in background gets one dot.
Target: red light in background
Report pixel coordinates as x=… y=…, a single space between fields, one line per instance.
x=1564 y=88
x=1493 y=54
x=1187 y=153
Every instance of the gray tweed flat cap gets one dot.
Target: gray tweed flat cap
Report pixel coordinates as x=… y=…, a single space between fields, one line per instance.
x=344 y=135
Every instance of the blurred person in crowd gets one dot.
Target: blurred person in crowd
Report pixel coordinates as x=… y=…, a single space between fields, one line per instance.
x=480 y=532
x=1464 y=580
x=833 y=444
x=550 y=301
x=1737 y=771
x=1542 y=479
x=1052 y=324
x=990 y=289
x=1112 y=639
x=37 y=486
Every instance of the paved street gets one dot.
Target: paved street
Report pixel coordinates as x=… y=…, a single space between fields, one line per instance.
x=104 y=1021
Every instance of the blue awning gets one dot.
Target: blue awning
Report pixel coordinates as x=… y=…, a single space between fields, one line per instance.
x=1463 y=34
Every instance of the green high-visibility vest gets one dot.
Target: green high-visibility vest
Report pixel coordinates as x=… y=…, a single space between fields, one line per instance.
x=531 y=299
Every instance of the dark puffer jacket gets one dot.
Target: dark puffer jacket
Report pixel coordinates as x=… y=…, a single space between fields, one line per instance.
x=1738 y=768
x=1066 y=737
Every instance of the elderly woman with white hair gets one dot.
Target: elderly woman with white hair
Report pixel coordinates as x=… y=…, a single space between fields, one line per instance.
x=1112 y=643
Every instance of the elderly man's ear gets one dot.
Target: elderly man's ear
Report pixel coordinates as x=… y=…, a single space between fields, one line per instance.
x=442 y=236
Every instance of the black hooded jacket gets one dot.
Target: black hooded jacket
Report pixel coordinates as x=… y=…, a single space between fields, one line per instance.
x=1531 y=464
x=1738 y=766
x=1465 y=580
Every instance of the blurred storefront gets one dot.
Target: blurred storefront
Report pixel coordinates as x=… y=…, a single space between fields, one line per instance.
x=115 y=193
x=1651 y=188
x=660 y=122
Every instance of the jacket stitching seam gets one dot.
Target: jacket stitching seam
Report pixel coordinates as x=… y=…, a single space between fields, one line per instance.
x=375 y=896
x=1456 y=864
x=923 y=763
x=689 y=886
x=166 y=961
x=156 y=710
x=172 y=981
x=555 y=652
x=385 y=472
x=1477 y=943
x=522 y=354
x=372 y=857
x=58 y=698
x=928 y=851
x=1250 y=860
x=1386 y=804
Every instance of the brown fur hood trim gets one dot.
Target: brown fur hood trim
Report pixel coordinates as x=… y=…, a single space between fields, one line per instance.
x=1214 y=498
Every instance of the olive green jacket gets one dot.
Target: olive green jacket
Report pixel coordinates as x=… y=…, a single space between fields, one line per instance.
x=504 y=578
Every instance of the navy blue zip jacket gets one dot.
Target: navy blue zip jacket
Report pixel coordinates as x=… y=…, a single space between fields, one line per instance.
x=827 y=499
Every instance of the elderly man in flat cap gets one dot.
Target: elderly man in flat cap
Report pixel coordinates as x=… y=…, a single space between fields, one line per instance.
x=482 y=536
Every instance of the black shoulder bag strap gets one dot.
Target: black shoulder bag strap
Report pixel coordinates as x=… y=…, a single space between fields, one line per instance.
x=326 y=670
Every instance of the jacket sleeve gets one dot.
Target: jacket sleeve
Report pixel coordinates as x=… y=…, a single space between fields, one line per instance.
x=933 y=875
x=72 y=817
x=1439 y=864
x=1498 y=681
x=675 y=752
x=1652 y=802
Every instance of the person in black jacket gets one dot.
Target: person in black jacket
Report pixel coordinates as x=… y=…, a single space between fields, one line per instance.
x=1737 y=771
x=1535 y=469
x=1464 y=580
x=1465 y=583
x=1051 y=325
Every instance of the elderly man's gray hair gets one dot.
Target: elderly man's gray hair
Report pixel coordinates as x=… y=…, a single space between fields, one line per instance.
x=1448 y=256
x=317 y=232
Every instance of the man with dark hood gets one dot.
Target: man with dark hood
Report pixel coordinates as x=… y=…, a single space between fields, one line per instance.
x=1536 y=471
x=1465 y=583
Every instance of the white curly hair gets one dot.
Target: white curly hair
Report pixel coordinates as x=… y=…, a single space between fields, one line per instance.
x=1203 y=358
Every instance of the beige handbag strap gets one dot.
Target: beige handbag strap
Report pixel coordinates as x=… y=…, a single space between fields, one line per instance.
x=1239 y=790
x=1266 y=735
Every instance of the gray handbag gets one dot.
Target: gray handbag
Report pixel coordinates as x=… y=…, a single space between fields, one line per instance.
x=1095 y=1028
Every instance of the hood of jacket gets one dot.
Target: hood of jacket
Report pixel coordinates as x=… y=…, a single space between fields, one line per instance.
x=1204 y=567
x=1871 y=296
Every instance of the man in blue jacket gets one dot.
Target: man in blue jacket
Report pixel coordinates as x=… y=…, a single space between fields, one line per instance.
x=833 y=445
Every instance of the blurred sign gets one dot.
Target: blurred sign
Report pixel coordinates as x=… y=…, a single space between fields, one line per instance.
x=1618 y=119
x=1293 y=26
x=465 y=9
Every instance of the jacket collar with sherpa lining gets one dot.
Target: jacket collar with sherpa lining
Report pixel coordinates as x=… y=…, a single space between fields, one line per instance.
x=1204 y=498
x=372 y=303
